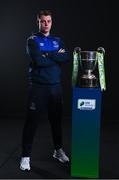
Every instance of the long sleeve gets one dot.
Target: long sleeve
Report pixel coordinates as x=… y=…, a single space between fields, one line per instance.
x=38 y=57
x=60 y=57
x=46 y=60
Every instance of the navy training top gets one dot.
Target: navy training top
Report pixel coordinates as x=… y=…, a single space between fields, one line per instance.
x=46 y=61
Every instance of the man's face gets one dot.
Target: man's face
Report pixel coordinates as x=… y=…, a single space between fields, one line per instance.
x=45 y=23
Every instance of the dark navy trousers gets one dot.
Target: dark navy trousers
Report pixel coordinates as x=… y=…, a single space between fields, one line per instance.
x=43 y=99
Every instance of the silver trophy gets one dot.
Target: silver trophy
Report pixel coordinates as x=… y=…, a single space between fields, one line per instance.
x=88 y=62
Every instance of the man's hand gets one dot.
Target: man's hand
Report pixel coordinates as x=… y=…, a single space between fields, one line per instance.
x=45 y=54
x=61 y=50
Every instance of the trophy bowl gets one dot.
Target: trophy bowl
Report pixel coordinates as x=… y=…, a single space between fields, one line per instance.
x=88 y=62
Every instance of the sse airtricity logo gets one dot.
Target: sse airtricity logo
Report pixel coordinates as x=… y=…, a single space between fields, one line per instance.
x=86 y=104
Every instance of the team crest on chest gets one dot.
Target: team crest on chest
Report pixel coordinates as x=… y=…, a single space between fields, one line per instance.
x=55 y=44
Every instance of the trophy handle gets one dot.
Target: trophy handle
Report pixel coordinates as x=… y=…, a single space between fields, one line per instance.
x=101 y=50
x=101 y=68
x=77 y=49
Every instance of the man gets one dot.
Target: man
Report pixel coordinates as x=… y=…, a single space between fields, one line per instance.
x=47 y=54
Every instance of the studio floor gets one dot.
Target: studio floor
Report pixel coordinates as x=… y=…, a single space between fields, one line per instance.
x=43 y=165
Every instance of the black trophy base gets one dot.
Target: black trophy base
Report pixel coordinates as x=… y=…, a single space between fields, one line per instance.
x=88 y=83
